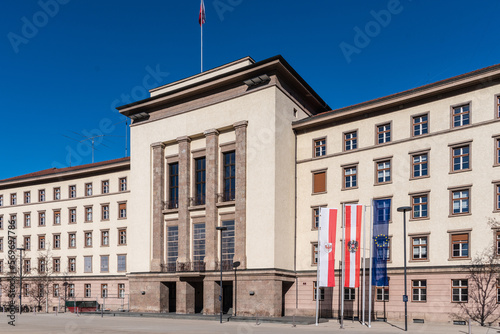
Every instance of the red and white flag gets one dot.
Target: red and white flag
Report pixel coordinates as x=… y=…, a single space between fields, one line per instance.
x=353 y=219
x=201 y=18
x=326 y=247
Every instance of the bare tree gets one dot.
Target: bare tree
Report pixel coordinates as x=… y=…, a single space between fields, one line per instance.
x=42 y=279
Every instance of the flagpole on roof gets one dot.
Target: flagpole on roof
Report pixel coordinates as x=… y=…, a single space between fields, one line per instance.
x=201 y=20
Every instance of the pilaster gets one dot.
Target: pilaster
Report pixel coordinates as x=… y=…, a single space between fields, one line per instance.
x=158 y=189
x=241 y=193
x=212 y=153
x=184 y=188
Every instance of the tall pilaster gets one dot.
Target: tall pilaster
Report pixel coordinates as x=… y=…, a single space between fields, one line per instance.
x=241 y=194
x=157 y=215
x=212 y=153
x=184 y=187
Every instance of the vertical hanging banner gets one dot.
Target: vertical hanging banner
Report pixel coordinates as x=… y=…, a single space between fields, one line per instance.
x=326 y=247
x=381 y=216
x=353 y=219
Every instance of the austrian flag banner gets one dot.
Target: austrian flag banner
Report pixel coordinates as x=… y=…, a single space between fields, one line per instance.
x=326 y=247
x=353 y=219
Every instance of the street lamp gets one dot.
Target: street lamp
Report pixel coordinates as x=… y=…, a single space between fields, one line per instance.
x=65 y=284
x=236 y=264
x=20 y=249
x=403 y=209
x=221 y=229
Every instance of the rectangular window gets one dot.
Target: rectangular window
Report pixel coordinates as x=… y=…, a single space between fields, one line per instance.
x=71 y=290
x=420 y=206
x=1 y=222
x=87 y=264
x=57 y=193
x=88 y=239
x=57 y=241
x=56 y=265
x=13 y=220
x=321 y=291
x=461 y=115
x=319 y=182
x=315 y=218
x=27 y=220
x=105 y=187
x=88 y=189
x=315 y=253
x=41 y=195
x=13 y=199
x=57 y=217
x=72 y=215
x=200 y=181
x=105 y=238
x=498 y=242
x=1 y=266
x=172 y=247
x=27 y=266
x=228 y=245
x=104 y=263
x=420 y=125
x=121 y=290
x=88 y=290
x=460 y=245
x=349 y=293
x=123 y=183
x=173 y=178
x=420 y=165
x=419 y=290
x=122 y=263
x=1 y=200
x=27 y=243
x=350 y=141
x=1 y=244
x=88 y=214
x=122 y=236
x=419 y=246
x=42 y=266
x=350 y=177
x=497 y=197
x=72 y=191
x=229 y=174
x=122 y=210
x=383 y=133
x=320 y=147
x=383 y=171
x=460 y=158
x=460 y=201
x=27 y=197
x=382 y=294
x=459 y=290
x=104 y=291
x=497 y=108
x=72 y=240
x=105 y=212
x=497 y=151
x=55 y=290
x=41 y=242
x=41 y=218
x=198 y=245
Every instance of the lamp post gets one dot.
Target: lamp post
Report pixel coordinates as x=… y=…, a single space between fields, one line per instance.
x=403 y=209
x=236 y=264
x=221 y=229
x=20 y=249
x=65 y=284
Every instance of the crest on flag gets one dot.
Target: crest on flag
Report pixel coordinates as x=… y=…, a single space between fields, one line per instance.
x=352 y=246
x=328 y=247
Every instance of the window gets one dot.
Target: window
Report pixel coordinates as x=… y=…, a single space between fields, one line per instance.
x=57 y=193
x=1 y=266
x=57 y=241
x=27 y=243
x=320 y=147
x=41 y=242
x=72 y=240
x=419 y=246
x=497 y=151
x=72 y=264
x=497 y=197
x=419 y=290
x=88 y=290
x=498 y=242
x=173 y=179
x=13 y=199
x=88 y=189
x=460 y=158
x=41 y=195
x=315 y=218
x=420 y=206
x=498 y=291
x=420 y=125
x=383 y=171
x=27 y=220
x=27 y=266
x=121 y=263
x=56 y=265
x=228 y=244
x=87 y=264
x=1 y=222
x=27 y=197
x=172 y=247
x=1 y=200
x=1 y=244
x=105 y=238
x=200 y=181
x=315 y=253
x=105 y=212
x=71 y=290
x=104 y=263
x=40 y=290
x=123 y=184
x=122 y=210
x=382 y=294
x=460 y=201
x=384 y=133
x=350 y=141
x=57 y=217
x=55 y=290
x=497 y=108
x=121 y=290
x=321 y=291
x=105 y=187
x=72 y=216
x=460 y=245
x=349 y=293
x=461 y=115
x=88 y=239
x=319 y=182
x=229 y=176
x=104 y=290
x=420 y=165
x=88 y=214
x=122 y=236
x=41 y=218
x=198 y=243
x=13 y=220
x=459 y=290
x=350 y=177
x=42 y=265
x=72 y=191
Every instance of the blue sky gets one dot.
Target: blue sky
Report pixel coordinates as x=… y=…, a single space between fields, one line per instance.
x=65 y=64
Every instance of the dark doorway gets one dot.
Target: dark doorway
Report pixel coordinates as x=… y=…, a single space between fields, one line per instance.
x=284 y=289
x=198 y=297
x=171 y=296
x=227 y=293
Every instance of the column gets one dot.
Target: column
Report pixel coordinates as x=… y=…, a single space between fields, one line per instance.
x=157 y=218
x=212 y=153
x=184 y=191
x=241 y=194
x=211 y=303
x=184 y=298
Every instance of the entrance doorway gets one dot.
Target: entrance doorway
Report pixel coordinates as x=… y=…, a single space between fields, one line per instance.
x=198 y=296
x=284 y=289
x=171 y=296
x=227 y=296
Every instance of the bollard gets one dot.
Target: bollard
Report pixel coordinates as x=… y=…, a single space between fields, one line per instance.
x=470 y=327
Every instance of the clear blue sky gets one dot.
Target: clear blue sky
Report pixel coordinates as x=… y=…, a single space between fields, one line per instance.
x=65 y=67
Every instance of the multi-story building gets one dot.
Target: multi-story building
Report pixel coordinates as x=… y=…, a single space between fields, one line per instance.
x=73 y=224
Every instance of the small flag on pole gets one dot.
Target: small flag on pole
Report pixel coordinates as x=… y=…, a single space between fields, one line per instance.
x=326 y=247
x=202 y=17
x=353 y=219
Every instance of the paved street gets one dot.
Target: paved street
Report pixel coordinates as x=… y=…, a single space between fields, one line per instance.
x=70 y=323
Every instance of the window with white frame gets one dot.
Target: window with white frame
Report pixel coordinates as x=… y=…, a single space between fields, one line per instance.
x=459 y=290
x=321 y=291
x=350 y=177
x=420 y=125
x=419 y=248
x=383 y=171
x=460 y=201
x=383 y=133
x=460 y=245
x=460 y=158
x=420 y=205
x=461 y=115
x=419 y=290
